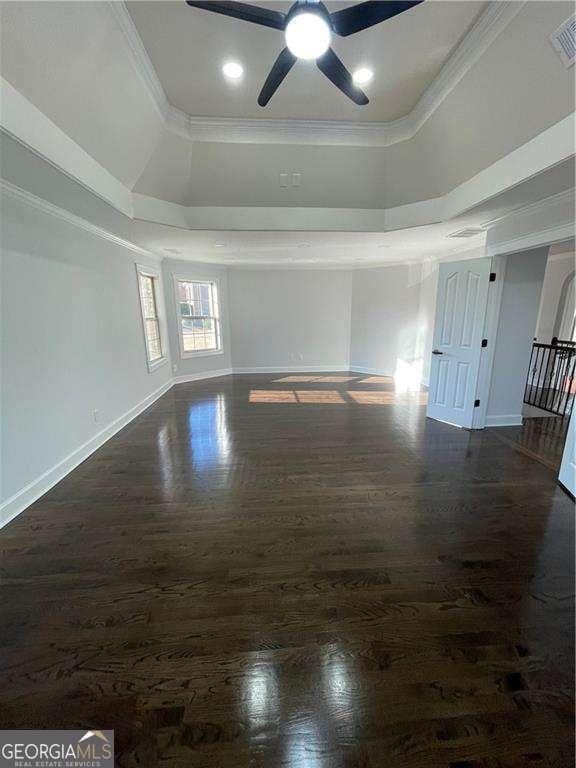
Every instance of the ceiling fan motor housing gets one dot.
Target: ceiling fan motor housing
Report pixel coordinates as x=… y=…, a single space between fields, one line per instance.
x=309 y=6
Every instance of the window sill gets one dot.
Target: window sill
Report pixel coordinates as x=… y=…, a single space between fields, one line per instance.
x=202 y=353
x=155 y=364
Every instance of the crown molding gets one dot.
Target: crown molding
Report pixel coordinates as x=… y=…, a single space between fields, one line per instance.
x=538 y=206
x=471 y=48
x=489 y=25
x=40 y=204
x=23 y=121
x=544 y=237
x=140 y=58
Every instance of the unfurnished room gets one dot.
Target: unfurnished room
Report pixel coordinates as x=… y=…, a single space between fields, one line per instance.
x=287 y=382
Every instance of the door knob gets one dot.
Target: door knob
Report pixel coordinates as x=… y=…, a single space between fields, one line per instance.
x=437 y=352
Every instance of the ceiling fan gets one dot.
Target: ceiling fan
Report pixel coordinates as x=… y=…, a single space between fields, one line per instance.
x=308 y=29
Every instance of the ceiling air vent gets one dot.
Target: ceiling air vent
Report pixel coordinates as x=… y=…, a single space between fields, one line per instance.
x=470 y=232
x=564 y=41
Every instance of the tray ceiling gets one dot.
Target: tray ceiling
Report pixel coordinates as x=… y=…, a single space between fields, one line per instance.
x=188 y=47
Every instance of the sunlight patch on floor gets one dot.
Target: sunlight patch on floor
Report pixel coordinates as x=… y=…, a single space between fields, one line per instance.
x=377 y=380
x=332 y=397
x=317 y=379
x=387 y=398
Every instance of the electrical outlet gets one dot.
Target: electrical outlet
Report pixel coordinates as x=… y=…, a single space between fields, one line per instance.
x=300 y=356
x=96 y=416
x=174 y=368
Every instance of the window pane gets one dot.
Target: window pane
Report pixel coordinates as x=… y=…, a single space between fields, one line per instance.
x=199 y=335
x=147 y=291
x=199 y=323
x=153 y=339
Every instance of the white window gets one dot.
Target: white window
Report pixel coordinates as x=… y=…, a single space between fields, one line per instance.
x=198 y=316
x=154 y=335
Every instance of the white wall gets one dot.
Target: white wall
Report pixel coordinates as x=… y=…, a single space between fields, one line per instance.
x=213 y=363
x=290 y=318
x=516 y=326
x=558 y=269
x=72 y=342
x=426 y=316
x=385 y=334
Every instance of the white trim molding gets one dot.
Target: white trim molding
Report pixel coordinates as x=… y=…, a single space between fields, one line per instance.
x=335 y=368
x=544 y=222
x=140 y=59
x=155 y=274
x=191 y=377
x=197 y=278
x=355 y=368
x=548 y=236
x=28 y=125
x=44 y=206
x=17 y=503
x=506 y=420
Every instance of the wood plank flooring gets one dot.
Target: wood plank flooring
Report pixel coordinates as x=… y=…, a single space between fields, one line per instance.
x=541 y=438
x=296 y=572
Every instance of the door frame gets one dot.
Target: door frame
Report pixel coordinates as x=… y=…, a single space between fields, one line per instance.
x=499 y=253
x=491 y=320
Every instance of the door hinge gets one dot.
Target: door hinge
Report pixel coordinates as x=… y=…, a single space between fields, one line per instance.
x=492 y=277
x=476 y=403
x=484 y=342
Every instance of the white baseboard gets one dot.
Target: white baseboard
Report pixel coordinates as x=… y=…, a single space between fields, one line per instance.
x=22 y=499
x=186 y=378
x=507 y=420
x=371 y=371
x=336 y=368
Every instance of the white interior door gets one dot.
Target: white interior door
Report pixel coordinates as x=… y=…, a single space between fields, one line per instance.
x=567 y=474
x=460 y=310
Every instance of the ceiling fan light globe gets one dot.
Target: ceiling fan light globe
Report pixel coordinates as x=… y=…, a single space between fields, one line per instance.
x=308 y=36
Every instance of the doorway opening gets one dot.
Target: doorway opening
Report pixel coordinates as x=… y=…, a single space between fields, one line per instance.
x=549 y=370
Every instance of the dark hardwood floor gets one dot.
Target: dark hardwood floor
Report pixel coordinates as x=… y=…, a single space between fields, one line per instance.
x=540 y=438
x=296 y=572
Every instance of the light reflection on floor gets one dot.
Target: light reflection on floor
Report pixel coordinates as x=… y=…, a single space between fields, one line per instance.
x=260 y=703
x=209 y=436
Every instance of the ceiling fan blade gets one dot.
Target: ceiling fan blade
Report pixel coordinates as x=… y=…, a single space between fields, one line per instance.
x=335 y=71
x=280 y=69
x=244 y=11
x=358 y=17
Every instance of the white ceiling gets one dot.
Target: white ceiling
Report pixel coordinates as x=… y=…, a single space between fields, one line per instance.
x=307 y=248
x=187 y=47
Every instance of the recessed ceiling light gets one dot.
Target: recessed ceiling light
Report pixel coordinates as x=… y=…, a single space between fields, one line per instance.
x=307 y=36
x=303 y=245
x=362 y=76
x=220 y=245
x=232 y=70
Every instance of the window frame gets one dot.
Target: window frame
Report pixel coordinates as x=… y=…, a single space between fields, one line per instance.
x=143 y=270
x=186 y=353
